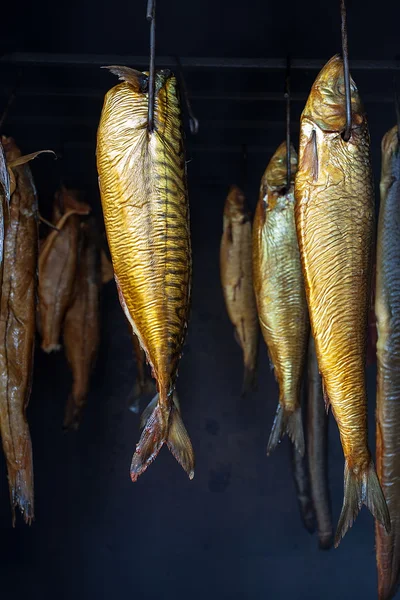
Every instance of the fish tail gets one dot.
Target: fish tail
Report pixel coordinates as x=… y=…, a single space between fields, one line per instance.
x=361 y=489
x=73 y=412
x=287 y=422
x=162 y=428
x=20 y=482
x=249 y=380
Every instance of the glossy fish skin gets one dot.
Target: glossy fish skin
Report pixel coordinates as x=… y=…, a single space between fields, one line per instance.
x=280 y=295
x=17 y=332
x=57 y=266
x=4 y=199
x=317 y=449
x=387 y=308
x=142 y=178
x=335 y=226
x=82 y=324
x=237 y=280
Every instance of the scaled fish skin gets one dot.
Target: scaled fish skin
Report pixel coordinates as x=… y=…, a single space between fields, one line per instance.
x=57 y=266
x=142 y=180
x=335 y=224
x=17 y=329
x=82 y=324
x=280 y=295
x=387 y=308
x=237 y=280
x=317 y=449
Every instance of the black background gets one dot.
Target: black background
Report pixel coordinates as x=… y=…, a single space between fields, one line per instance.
x=234 y=531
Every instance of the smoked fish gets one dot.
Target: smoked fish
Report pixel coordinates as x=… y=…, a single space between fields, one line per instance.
x=317 y=450
x=280 y=294
x=17 y=328
x=142 y=178
x=57 y=266
x=237 y=280
x=4 y=201
x=335 y=227
x=301 y=479
x=82 y=323
x=387 y=308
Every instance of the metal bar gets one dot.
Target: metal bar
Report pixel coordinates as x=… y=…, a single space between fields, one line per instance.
x=99 y=60
x=345 y=53
x=151 y=16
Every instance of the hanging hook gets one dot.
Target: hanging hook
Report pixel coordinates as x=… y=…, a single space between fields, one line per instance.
x=287 y=97
x=193 y=122
x=345 y=54
x=151 y=16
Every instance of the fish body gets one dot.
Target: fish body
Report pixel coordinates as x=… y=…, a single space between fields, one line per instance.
x=335 y=225
x=280 y=295
x=317 y=450
x=4 y=200
x=58 y=261
x=82 y=324
x=237 y=280
x=387 y=308
x=142 y=180
x=301 y=480
x=17 y=331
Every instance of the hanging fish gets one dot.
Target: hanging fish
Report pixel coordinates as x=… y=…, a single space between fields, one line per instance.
x=57 y=266
x=142 y=180
x=317 y=449
x=279 y=289
x=144 y=385
x=303 y=491
x=387 y=308
x=237 y=280
x=4 y=201
x=335 y=226
x=17 y=326
x=82 y=323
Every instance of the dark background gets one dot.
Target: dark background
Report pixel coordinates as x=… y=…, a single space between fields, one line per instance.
x=234 y=531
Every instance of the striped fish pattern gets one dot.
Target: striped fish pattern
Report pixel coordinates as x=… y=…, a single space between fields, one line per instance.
x=142 y=180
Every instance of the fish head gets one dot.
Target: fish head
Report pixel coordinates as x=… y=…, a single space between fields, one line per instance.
x=326 y=104
x=235 y=205
x=276 y=172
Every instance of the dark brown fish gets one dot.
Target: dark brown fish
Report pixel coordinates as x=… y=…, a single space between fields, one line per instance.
x=303 y=491
x=57 y=266
x=82 y=324
x=317 y=449
x=17 y=329
x=387 y=308
x=335 y=228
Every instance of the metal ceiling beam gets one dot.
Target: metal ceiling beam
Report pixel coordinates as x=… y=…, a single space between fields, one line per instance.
x=98 y=60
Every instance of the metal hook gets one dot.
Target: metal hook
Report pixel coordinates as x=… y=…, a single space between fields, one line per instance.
x=345 y=54
x=151 y=16
x=193 y=122
x=287 y=97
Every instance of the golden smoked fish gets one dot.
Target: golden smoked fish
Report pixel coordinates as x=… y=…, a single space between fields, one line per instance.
x=237 y=280
x=82 y=324
x=335 y=226
x=280 y=295
x=387 y=308
x=142 y=178
x=17 y=328
x=57 y=266
x=317 y=449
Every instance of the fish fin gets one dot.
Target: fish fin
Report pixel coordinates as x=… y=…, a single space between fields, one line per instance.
x=154 y=435
x=20 y=482
x=158 y=431
x=22 y=160
x=73 y=412
x=179 y=443
x=310 y=156
x=249 y=380
x=237 y=338
x=326 y=397
x=290 y=423
x=358 y=490
x=135 y=78
x=147 y=411
x=107 y=271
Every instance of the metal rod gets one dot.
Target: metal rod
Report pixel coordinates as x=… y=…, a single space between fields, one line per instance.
x=151 y=16
x=193 y=122
x=345 y=53
x=95 y=60
x=287 y=96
